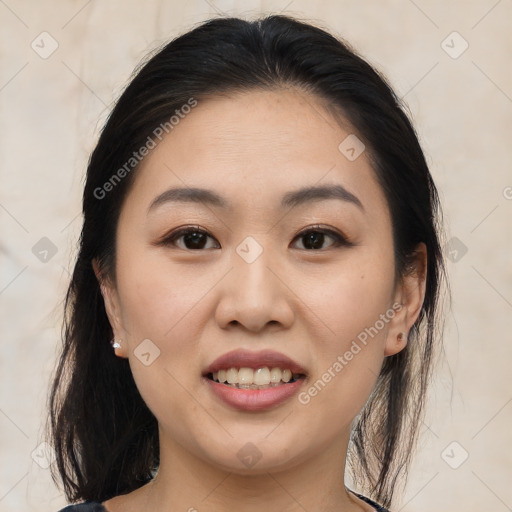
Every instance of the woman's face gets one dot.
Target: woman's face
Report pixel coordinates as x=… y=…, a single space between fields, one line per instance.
x=288 y=256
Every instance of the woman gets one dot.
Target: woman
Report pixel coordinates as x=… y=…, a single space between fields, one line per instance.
x=261 y=249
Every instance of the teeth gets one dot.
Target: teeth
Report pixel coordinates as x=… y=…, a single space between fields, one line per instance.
x=245 y=376
x=232 y=376
x=248 y=378
x=262 y=376
x=275 y=375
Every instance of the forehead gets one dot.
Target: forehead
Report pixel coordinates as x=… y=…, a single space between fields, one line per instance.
x=254 y=147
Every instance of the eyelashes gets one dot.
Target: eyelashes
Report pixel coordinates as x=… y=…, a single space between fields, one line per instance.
x=316 y=235
x=194 y=238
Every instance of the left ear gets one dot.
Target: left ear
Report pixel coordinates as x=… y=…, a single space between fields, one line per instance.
x=408 y=300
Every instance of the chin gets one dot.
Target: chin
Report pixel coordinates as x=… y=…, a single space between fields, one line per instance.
x=258 y=456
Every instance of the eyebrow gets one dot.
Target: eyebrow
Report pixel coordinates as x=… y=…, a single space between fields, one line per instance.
x=290 y=199
x=318 y=193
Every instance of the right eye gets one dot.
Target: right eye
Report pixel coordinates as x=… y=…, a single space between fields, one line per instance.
x=190 y=238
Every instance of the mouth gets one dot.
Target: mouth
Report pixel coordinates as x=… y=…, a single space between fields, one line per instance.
x=254 y=381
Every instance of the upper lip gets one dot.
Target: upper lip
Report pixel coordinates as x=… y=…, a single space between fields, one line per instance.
x=248 y=359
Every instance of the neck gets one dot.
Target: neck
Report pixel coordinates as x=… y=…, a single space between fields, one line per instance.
x=188 y=483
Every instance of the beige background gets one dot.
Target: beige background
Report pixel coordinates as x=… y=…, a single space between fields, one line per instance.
x=51 y=110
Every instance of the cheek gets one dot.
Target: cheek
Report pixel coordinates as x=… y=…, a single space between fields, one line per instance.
x=169 y=305
x=159 y=299
x=348 y=353
x=350 y=297
x=355 y=310
x=165 y=306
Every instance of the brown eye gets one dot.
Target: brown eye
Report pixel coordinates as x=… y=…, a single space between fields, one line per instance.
x=316 y=238
x=191 y=239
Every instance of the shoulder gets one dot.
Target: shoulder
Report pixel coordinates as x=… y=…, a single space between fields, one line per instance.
x=87 y=506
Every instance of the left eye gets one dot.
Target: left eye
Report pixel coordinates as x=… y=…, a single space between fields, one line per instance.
x=314 y=239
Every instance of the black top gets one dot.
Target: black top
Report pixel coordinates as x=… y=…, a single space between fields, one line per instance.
x=87 y=506
x=376 y=506
x=96 y=506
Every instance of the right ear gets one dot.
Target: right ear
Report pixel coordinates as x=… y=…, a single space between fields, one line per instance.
x=112 y=307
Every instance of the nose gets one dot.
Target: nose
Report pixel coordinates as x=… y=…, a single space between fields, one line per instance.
x=254 y=295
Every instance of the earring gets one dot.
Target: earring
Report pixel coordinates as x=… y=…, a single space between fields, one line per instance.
x=401 y=336
x=115 y=344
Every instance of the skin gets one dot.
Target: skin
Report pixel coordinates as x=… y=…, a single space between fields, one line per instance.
x=310 y=304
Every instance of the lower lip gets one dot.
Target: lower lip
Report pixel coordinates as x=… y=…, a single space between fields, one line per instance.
x=255 y=399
